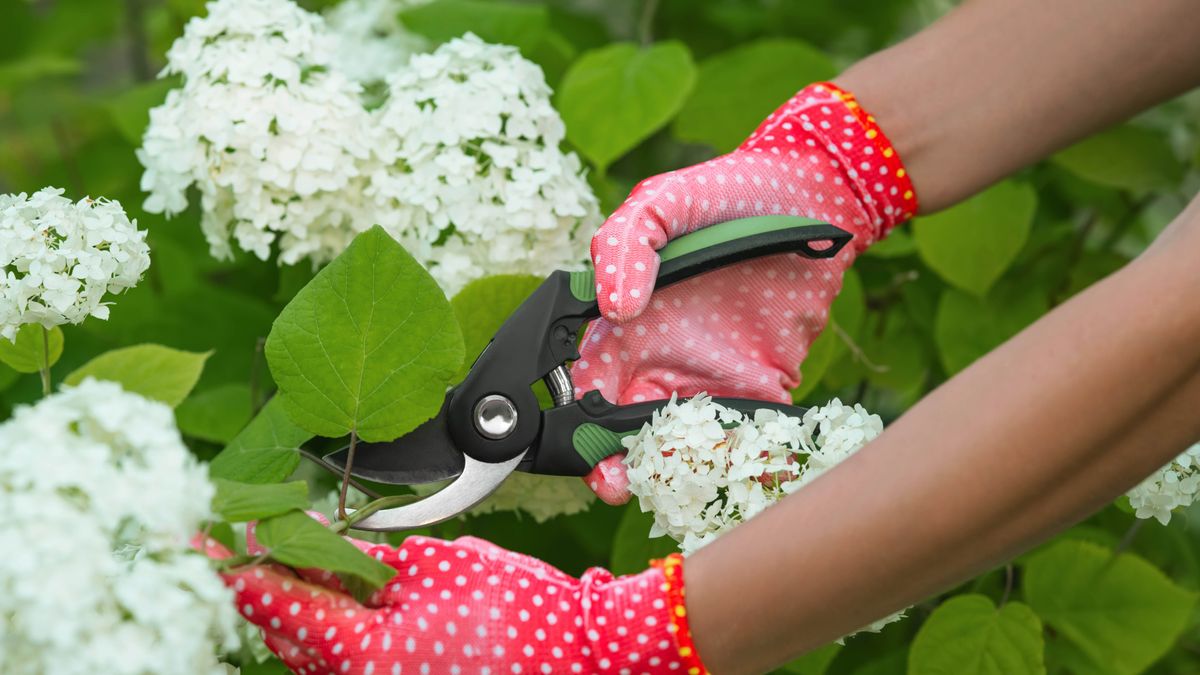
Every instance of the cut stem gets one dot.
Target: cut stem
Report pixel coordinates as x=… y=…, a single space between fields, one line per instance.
x=346 y=475
x=45 y=369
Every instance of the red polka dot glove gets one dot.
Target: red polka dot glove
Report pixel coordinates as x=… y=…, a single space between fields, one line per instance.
x=469 y=606
x=743 y=330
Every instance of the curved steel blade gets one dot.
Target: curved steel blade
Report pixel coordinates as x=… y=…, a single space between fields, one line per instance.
x=478 y=480
x=424 y=455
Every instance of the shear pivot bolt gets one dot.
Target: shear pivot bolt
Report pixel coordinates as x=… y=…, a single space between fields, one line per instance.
x=495 y=416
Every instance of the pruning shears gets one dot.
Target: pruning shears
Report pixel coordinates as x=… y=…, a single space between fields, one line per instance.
x=491 y=424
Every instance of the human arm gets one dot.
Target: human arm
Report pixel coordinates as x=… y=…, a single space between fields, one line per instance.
x=996 y=85
x=1028 y=439
x=991 y=87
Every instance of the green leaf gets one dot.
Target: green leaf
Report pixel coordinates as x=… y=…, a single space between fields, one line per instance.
x=816 y=662
x=1126 y=157
x=28 y=353
x=1114 y=614
x=523 y=26
x=265 y=451
x=484 y=304
x=967 y=327
x=897 y=244
x=36 y=67
x=242 y=502
x=614 y=97
x=154 y=371
x=7 y=376
x=297 y=540
x=130 y=110
x=968 y=635
x=215 y=415
x=735 y=90
x=971 y=244
x=846 y=318
x=632 y=547
x=367 y=346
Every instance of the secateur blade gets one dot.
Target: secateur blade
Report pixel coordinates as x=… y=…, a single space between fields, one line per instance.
x=478 y=480
x=424 y=455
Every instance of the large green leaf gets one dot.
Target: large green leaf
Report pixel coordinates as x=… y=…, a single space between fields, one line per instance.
x=612 y=98
x=367 y=346
x=242 y=502
x=1114 y=614
x=28 y=353
x=215 y=415
x=265 y=451
x=968 y=327
x=521 y=25
x=968 y=635
x=632 y=547
x=154 y=371
x=297 y=540
x=1128 y=157
x=736 y=89
x=484 y=304
x=971 y=244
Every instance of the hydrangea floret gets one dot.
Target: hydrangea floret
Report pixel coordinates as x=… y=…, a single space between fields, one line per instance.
x=101 y=500
x=1176 y=485
x=59 y=258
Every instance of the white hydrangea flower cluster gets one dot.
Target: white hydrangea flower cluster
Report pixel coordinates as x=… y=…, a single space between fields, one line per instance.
x=1175 y=485
x=702 y=468
x=473 y=179
x=100 y=500
x=371 y=41
x=460 y=162
x=270 y=135
x=58 y=258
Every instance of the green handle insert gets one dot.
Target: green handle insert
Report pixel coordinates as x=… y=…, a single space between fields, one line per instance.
x=593 y=442
x=727 y=242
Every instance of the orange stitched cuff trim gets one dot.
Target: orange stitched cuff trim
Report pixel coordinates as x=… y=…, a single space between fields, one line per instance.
x=672 y=569
x=891 y=158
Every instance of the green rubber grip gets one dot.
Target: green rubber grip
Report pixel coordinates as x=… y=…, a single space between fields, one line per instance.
x=593 y=442
x=729 y=242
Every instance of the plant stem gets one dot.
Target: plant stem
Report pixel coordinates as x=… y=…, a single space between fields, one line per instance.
x=646 y=24
x=45 y=369
x=1008 y=584
x=1130 y=535
x=346 y=475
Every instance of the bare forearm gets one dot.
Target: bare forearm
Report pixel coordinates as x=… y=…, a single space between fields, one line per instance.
x=998 y=84
x=932 y=501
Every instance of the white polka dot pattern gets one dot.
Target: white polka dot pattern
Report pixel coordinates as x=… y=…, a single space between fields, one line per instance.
x=743 y=330
x=463 y=606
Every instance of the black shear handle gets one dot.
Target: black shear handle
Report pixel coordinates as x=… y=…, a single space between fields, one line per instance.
x=593 y=428
x=543 y=333
x=726 y=243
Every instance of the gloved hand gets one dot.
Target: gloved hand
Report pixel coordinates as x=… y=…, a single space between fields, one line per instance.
x=469 y=606
x=743 y=330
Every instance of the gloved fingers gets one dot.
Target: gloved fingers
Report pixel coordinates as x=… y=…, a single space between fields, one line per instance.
x=313 y=575
x=609 y=481
x=490 y=552
x=297 y=658
x=309 y=615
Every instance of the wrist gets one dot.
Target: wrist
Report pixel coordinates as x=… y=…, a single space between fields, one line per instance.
x=639 y=622
x=823 y=135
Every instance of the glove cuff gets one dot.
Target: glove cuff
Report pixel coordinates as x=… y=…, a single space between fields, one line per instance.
x=638 y=623
x=825 y=117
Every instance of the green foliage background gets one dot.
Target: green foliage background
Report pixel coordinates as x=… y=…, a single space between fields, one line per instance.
x=1108 y=597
